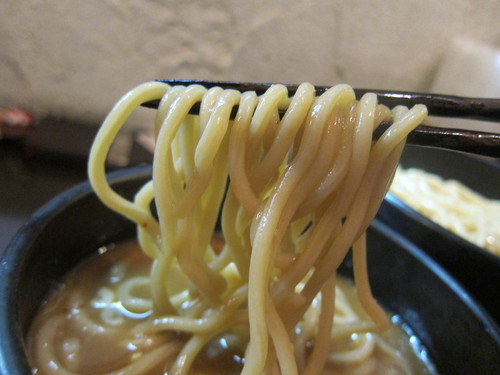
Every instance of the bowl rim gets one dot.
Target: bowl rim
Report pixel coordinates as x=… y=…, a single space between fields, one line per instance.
x=467 y=297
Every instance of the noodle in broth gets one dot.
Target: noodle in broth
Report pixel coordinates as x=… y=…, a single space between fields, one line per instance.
x=96 y=298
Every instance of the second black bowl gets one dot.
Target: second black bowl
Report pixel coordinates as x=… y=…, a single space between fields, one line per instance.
x=477 y=269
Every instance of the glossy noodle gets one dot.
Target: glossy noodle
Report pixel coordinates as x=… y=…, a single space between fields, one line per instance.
x=303 y=188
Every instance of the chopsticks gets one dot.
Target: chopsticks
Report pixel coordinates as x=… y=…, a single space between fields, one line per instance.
x=469 y=141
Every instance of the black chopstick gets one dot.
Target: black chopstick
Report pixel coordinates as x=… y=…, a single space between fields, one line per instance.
x=486 y=109
x=469 y=141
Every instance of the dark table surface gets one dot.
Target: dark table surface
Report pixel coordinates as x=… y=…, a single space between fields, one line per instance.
x=27 y=182
x=33 y=172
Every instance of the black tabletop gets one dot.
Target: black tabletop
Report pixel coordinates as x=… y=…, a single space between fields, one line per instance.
x=29 y=181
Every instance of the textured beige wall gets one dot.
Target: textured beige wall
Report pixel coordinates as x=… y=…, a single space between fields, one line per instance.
x=75 y=58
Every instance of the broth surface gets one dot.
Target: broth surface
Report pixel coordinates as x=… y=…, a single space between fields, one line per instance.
x=83 y=329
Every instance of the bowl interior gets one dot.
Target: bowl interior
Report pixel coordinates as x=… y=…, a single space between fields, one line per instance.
x=405 y=280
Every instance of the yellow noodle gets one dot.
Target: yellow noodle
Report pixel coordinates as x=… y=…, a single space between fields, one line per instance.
x=319 y=355
x=303 y=188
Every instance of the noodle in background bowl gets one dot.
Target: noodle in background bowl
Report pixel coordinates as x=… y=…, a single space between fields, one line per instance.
x=459 y=336
x=477 y=269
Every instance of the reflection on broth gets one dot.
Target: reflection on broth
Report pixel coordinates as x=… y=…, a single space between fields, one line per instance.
x=95 y=323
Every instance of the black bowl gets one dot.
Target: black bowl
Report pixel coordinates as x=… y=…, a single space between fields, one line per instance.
x=477 y=269
x=459 y=336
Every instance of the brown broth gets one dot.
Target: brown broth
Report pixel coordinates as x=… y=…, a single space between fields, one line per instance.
x=69 y=322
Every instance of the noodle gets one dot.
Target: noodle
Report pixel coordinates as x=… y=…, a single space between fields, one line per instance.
x=452 y=205
x=303 y=189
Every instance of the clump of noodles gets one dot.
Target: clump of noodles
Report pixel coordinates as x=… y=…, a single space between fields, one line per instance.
x=303 y=189
x=452 y=205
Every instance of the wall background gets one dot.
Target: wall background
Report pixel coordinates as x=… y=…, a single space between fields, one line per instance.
x=74 y=59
